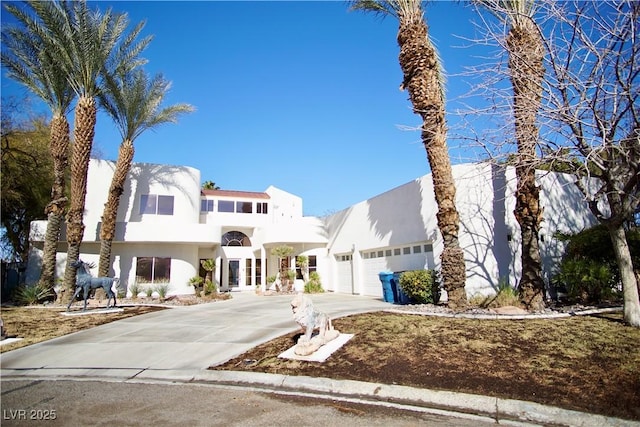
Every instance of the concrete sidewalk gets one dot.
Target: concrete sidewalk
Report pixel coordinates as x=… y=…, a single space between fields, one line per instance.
x=176 y=346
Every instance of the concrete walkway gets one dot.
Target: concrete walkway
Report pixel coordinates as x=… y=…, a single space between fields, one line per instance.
x=179 y=344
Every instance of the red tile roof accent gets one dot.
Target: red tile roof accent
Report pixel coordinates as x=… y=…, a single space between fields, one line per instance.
x=234 y=193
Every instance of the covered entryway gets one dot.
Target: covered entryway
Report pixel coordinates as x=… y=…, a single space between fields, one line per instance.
x=237 y=262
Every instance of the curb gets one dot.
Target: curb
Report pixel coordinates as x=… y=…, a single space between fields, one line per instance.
x=507 y=316
x=449 y=403
x=496 y=409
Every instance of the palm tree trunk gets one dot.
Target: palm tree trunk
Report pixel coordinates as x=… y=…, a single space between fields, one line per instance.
x=422 y=79
x=526 y=55
x=84 y=130
x=59 y=147
x=109 y=215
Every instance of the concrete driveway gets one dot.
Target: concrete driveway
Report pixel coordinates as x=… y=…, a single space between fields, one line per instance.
x=181 y=338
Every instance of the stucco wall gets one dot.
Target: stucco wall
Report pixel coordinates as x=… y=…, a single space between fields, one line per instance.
x=489 y=232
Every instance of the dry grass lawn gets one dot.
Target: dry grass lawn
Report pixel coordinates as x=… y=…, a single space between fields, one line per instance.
x=35 y=323
x=585 y=363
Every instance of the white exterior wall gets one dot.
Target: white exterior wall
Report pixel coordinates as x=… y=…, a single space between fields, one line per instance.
x=489 y=232
x=285 y=206
x=396 y=230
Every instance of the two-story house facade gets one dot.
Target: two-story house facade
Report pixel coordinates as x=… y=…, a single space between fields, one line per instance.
x=166 y=225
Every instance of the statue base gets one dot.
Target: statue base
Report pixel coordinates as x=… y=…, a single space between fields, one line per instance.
x=321 y=354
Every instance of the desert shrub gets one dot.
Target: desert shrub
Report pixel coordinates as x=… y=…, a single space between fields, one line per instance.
x=314 y=285
x=32 y=294
x=420 y=285
x=162 y=289
x=505 y=295
x=196 y=282
x=210 y=287
x=148 y=291
x=586 y=280
x=135 y=289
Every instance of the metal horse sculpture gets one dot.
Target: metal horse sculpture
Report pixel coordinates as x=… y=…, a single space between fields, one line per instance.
x=85 y=282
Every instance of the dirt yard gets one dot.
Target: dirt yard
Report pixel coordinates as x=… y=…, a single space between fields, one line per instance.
x=585 y=363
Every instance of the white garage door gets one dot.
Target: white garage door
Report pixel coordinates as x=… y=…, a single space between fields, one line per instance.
x=372 y=265
x=410 y=257
x=345 y=274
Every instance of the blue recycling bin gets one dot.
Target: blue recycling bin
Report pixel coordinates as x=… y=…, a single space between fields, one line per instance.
x=387 y=287
x=401 y=297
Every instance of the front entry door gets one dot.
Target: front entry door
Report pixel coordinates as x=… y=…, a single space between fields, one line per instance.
x=234 y=273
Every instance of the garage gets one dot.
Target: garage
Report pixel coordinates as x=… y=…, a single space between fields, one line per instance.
x=345 y=273
x=409 y=257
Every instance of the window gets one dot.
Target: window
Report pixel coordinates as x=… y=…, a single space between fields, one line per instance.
x=235 y=238
x=312 y=266
x=258 y=271
x=380 y=254
x=406 y=251
x=387 y=252
x=154 y=204
x=244 y=207
x=261 y=207
x=248 y=263
x=396 y=251
x=226 y=206
x=428 y=248
x=417 y=249
x=206 y=206
x=153 y=269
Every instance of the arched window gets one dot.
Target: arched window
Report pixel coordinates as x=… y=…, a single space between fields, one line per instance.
x=235 y=238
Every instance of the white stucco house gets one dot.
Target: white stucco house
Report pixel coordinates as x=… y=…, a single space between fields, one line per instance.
x=166 y=225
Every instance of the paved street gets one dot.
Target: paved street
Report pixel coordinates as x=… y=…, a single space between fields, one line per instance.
x=89 y=403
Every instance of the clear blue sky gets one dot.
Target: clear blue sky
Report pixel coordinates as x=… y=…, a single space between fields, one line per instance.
x=300 y=95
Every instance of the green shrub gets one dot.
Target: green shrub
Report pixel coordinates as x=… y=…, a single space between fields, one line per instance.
x=196 y=282
x=421 y=286
x=210 y=287
x=594 y=244
x=32 y=294
x=314 y=285
x=149 y=291
x=586 y=280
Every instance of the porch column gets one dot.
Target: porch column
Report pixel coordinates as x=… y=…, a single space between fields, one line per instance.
x=263 y=269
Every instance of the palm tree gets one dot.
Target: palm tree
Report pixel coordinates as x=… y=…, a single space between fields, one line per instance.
x=209 y=185
x=31 y=59
x=525 y=47
x=87 y=43
x=423 y=80
x=133 y=102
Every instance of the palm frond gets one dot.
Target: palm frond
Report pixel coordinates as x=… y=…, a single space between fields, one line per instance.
x=30 y=56
x=133 y=102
